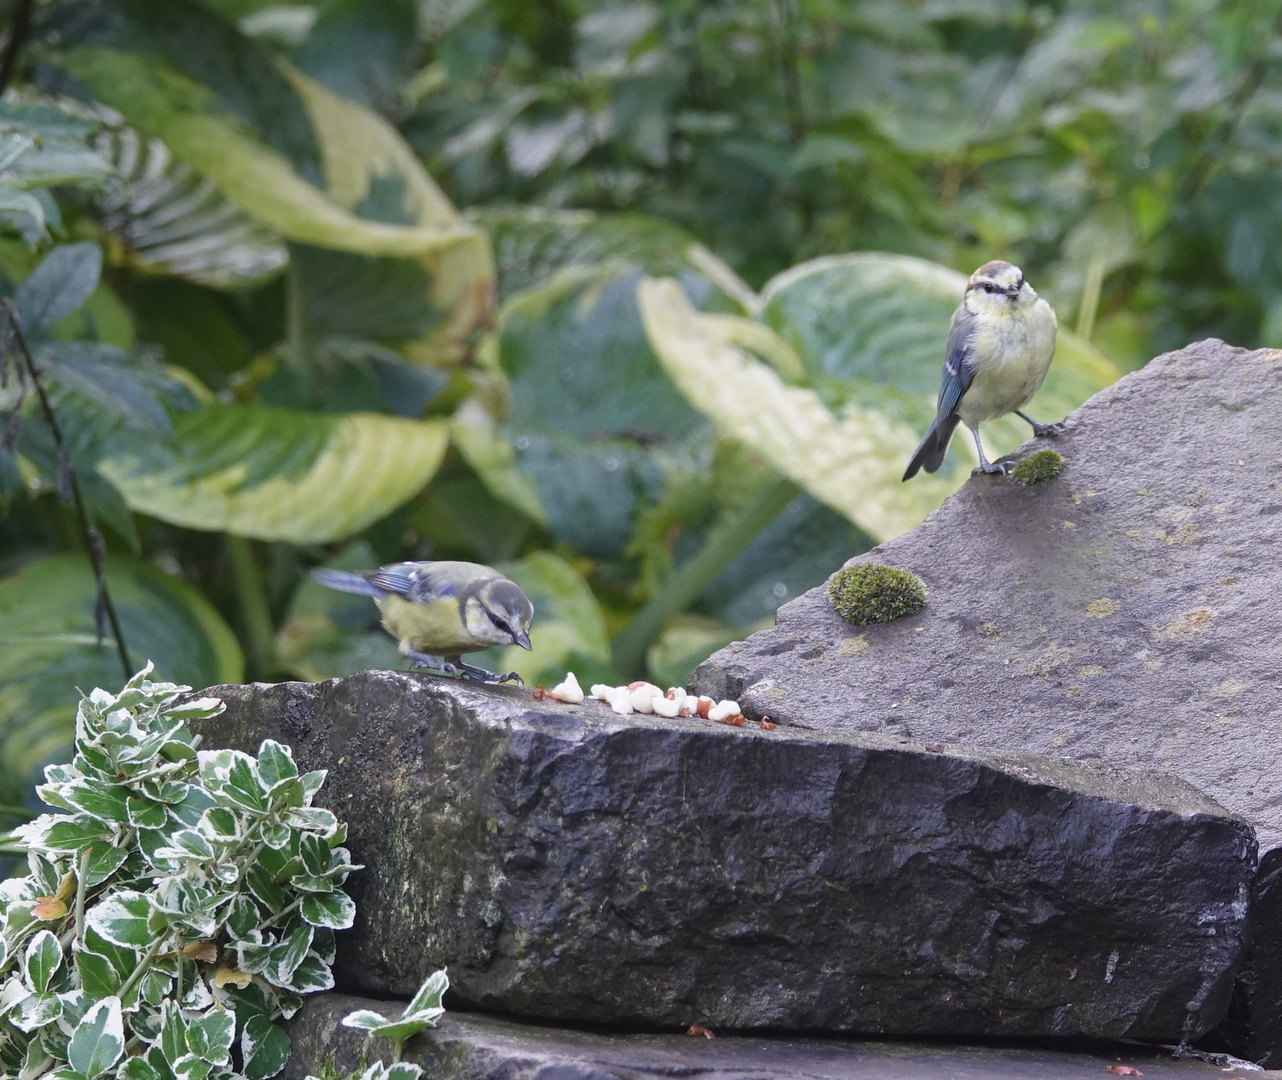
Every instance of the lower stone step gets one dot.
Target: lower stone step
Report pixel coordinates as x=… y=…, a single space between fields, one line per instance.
x=473 y=1046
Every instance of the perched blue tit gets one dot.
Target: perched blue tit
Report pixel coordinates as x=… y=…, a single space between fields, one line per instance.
x=439 y=610
x=1000 y=345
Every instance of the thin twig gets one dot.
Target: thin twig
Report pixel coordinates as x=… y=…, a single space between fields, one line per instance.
x=18 y=27
x=94 y=545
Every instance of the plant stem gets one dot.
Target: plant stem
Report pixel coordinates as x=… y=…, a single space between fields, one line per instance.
x=92 y=539
x=82 y=871
x=141 y=969
x=259 y=632
x=18 y=28
x=721 y=548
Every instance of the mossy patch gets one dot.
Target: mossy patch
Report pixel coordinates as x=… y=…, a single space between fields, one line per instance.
x=867 y=593
x=1038 y=467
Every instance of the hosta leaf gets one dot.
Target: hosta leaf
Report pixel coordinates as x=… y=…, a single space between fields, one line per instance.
x=362 y=49
x=48 y=647
x=532 y=243
x=171 y=220
x=269 y=137
x=277 y=475
x=99 y=1040
x=132 y=387
x=851 y=459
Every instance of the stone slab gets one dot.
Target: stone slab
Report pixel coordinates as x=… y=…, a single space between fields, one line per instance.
x=568 y=863
x=469 y=1046
x=1129 y=610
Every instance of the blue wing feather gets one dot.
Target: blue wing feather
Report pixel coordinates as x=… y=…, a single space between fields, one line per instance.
x=958 y=373
x=954 y=382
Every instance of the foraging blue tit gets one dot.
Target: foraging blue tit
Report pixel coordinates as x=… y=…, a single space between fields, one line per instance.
x=1000 y=345
x=439 y=610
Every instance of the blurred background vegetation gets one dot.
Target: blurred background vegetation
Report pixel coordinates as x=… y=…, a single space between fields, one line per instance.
x=641 y=301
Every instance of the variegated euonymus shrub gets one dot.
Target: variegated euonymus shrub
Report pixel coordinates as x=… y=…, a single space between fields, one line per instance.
x=179 y=904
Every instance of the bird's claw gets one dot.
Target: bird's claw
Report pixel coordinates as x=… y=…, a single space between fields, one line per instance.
x=1041 y=431
x=993 y=468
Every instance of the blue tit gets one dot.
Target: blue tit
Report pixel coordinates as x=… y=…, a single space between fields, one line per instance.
x=439 y=610
x=1000 y=345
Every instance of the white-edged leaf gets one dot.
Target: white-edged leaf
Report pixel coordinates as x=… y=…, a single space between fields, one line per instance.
x=99 y=1040
x=42 y=958
x=264 y=1048
x=122 y=919
x=335 y=910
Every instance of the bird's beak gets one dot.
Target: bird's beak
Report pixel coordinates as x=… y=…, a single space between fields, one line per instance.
x=522 y=639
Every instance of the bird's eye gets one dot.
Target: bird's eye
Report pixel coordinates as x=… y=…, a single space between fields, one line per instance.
x=988 y=286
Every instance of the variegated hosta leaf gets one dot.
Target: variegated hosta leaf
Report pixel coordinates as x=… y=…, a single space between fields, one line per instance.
x=273 y=474
x=869 y=331
x=851 y=459
x=267 y=136
x=171 y=220
x=870 y=328
x=852 y=462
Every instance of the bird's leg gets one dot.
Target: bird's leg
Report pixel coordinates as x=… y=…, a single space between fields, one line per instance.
x=471 y=671
x=1040 y=430
x=986 y=466
x=433 y=663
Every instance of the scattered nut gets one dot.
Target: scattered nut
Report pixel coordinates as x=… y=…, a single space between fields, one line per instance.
x=568 y=690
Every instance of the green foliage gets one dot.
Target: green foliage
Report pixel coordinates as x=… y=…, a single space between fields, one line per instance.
x=666 y=367
x=180 y=902
x=1038 y=467
x=867 y=593
x=420 y=1014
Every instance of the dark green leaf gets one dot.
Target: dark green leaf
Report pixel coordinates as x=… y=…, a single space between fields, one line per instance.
x=264 y=1047
x=130 y=386
x=43 y=957
x=362 y=49
x=57 y=287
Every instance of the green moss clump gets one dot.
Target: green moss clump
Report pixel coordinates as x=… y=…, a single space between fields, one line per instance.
x=1038 y=466
x=867 y=593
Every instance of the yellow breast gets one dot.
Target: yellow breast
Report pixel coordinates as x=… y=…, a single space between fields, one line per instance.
x=1012 y=353
x=434 y=628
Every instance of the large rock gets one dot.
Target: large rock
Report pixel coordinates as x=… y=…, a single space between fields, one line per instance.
x=477 y=1047
x=568 y=863
x=1129 y=610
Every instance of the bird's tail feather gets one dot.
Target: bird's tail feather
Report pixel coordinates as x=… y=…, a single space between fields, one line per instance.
x=345 y=581
x=930 y=452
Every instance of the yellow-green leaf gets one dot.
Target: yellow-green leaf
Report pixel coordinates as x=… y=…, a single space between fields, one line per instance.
x=272 y=474
x=851 y=455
